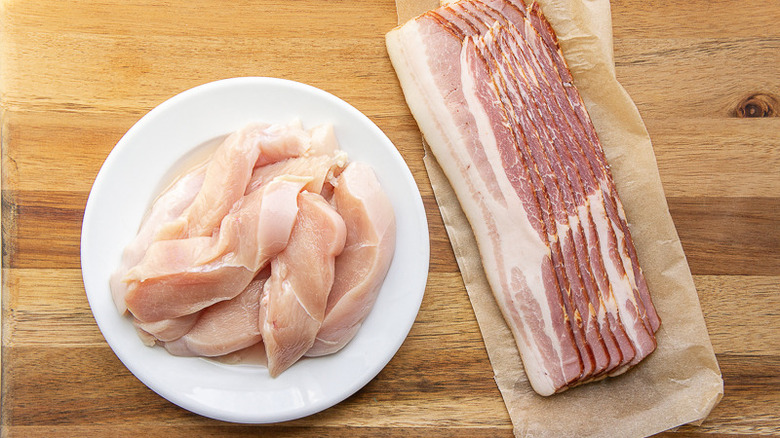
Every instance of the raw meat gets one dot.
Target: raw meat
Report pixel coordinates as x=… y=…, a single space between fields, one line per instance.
x=236 y=259
x=362 y=266
x=323 y=141
x=490 y=90
x=252 y=355
x=165 y=330
x=168 y=206
x=182 y=276
x=296 y=295
x=512 y=240
x=225 y=327
x=229 y=171
x=322 y=169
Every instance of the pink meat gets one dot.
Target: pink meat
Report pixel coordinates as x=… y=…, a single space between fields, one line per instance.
x=478 y=154
x=229 y=171
x=252 y=355
x=168 y=206
x=224 y=327
x=323 y=140
x=362 y=266
x=296 y=295
x=490 y=89
x=322 y=169
x=179 y=277
x=166 y=330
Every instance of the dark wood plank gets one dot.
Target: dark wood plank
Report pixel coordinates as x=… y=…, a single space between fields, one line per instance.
x=44 y=229
x=749 y=406
x=732 y=236
x=413 y=389
x=68 y=386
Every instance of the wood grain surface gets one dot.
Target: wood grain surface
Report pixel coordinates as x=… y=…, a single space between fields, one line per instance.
x=75 y=75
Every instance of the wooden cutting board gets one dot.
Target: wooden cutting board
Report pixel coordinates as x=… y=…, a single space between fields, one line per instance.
x=74 y=76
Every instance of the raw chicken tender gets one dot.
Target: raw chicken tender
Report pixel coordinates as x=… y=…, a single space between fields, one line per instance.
x=225 y=327
x=322 y=169
x=229 y=171
x=301 y=278
x=362 y=266
x=165 y=330
x=178 y=277
x=167 y=207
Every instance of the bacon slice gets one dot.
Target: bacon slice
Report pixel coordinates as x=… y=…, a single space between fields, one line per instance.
x=512 y=240
x=490 y=90
x=480 y=16
x=629 y=308
x=622 y=268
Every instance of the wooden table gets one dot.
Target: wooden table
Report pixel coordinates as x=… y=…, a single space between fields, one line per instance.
x=75 y=75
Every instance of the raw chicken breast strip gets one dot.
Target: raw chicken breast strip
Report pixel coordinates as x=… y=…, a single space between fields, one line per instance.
x=296 y=295
x=321 y=169
x=362 y=266
x=229 y=171
x=167 y=207
x=251 y=355
x=225 y=327
x=179 y=277
x=323 y=140
x=165 y=330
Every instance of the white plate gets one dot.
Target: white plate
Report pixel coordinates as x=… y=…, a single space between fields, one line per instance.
x=129 y=180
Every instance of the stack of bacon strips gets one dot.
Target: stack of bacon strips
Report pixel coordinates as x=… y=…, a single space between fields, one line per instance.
x=492 y=94
x=275 y=243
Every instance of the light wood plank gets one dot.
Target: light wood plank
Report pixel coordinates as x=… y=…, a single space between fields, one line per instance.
x=717 y=157
x=696 y=158
x=693 y=19
x=645 y=69
x=36 y=160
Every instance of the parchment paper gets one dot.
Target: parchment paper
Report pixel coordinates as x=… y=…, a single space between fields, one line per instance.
x=680 y=382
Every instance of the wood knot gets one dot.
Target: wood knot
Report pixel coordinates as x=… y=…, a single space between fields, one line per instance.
x=758 y=105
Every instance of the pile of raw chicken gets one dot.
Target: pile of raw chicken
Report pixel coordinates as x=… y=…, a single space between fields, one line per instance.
x=275 y=243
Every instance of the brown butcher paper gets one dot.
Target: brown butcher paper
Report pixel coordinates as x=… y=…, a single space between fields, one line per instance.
x=680 y=382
